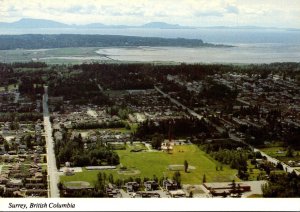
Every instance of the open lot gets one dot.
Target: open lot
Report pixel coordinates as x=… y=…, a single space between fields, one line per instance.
x=9 y=87
x=147 y=164
x=52 y=56
x=274 y=151
x=280 y=154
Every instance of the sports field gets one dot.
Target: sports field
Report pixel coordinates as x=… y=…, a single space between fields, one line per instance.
x=149 y=163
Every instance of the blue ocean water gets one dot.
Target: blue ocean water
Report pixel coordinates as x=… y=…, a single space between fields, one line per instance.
x=251 y=45
x=211 y=35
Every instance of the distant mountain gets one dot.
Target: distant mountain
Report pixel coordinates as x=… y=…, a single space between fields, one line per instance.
x=33 y=23
x=162 y=25
x=42 y=23
x=240 y=27
x=93 y=25
x=30 y=23
x=100 y=25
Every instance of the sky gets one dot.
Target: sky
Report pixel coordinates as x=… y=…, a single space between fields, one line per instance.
x=267 y=13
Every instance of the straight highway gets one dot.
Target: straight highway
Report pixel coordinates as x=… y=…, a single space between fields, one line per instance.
x=53 y=178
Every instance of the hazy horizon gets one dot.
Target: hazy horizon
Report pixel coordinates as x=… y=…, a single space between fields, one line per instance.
x=150 y=22
x=194 y=13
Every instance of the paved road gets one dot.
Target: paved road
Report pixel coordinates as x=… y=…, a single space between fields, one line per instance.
x=190 y=111
x=193 y=113
x=17 y=96
x=124 y=194
x=269 y=158
x=286 y=167
x=100 y=88
x=149 y=147
x=53 y=178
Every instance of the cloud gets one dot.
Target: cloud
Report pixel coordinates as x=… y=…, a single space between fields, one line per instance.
x=232 y=9
x=79 y=9
x=209 y=13
x=134 y=12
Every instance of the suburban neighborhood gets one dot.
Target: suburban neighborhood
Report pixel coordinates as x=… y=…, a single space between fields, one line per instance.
x=214 y=134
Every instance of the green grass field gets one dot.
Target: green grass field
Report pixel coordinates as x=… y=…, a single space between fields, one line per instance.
x=147 y=164
x=120 y=130
x=133 y=127
x=274 y=151
x=280 y=154
x=9 y=87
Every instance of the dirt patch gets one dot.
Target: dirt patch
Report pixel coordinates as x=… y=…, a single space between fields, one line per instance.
x=72 y=169
x=178 y=167
x=77 y=184
x=129 y=172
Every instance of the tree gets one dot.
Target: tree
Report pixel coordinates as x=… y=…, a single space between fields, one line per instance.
x=157 y=140
x=204 y=179
x=177 y=178
x=28 y=143
x=168 y=147
x=58 y=163
x=14 y=125
x=155 y=178
x=104 y=177
x=111 y=178
x=6 y=146
x=279 y=166
x=1 y=191
x=289 y=152
x=224 y=194
x=60 y=186
x=186 y=166
x=1 y=139
x=233 y=186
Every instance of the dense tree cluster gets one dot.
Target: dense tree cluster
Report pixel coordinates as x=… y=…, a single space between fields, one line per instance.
x=72 y=150
x=78 y=89
x=97 y=125
x=29 y=65
x=292 y=138
x=215 y=145
x=119 y=76
x=236 y=159
x=7 y=75
x=11 y=117
x=175 y=127
x=217 y=92
x=283 y=185
x=77 y=40
x=31 y=84
x=231 y=153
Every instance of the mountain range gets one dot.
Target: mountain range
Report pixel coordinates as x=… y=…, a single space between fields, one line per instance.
x=42 y=23
x=29 y=23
